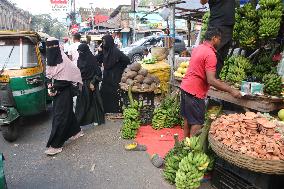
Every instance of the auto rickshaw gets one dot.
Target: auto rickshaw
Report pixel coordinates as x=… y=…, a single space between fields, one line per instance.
x=22 y=81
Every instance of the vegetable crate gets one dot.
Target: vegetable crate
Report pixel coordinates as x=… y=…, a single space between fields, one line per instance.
x=229 y=176
x=147 y=110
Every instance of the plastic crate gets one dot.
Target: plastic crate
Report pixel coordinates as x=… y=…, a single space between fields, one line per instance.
x=147 y=110
x=229 y=176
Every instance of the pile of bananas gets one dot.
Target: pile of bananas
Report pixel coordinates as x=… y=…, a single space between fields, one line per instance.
x=167 y=114
x=264 y=65
x=192 y=143
x=204 y=27
x=270 y=13
x=191 y=170
x=131 y=115
x=272 y=84
x=245 y=29
x=236 y=69
x=172 y=161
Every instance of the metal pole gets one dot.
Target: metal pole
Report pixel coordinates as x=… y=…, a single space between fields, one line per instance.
x=172 y=34
x=134 y=27
x=74 y=1
x=92 y=15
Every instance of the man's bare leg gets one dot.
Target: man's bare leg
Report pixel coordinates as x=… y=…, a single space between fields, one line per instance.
x=186 y=128
x=194 y=129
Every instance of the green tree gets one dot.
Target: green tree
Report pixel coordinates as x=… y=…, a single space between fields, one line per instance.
x=45 y=23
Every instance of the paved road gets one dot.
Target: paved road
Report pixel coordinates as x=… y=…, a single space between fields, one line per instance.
x=96 y=161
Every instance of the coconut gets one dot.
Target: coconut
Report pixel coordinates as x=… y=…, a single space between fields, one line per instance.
x=129 y=82
x=123 y=79
x=135 y=67
x=145 y=86
x=153 y=87
x=143 y=72
x=138 y=85
x=131 y=74
x=148 y=80
x=139 y=78
x=127 y=70
x=156 y=79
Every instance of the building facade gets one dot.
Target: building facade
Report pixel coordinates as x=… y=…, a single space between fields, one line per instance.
x=13 y=18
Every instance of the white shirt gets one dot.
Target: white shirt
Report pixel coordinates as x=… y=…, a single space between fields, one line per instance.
x=72 y=51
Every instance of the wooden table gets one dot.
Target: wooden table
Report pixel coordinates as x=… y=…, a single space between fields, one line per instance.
x=258 y=103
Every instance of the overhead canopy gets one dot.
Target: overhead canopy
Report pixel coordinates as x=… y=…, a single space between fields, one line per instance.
x=191 y=10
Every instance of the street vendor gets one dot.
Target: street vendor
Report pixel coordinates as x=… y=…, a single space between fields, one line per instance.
x=199 y=77
x=222 y=15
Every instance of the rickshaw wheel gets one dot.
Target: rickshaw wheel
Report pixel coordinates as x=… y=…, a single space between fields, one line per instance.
x=10 y=132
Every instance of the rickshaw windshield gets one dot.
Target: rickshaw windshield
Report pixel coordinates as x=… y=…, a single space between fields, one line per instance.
x=22 y=56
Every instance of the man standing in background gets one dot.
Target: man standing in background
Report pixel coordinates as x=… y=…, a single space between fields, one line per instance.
x=222 y=15
x=72 y=50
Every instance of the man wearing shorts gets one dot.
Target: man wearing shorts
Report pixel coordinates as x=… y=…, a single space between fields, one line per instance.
x=200 y=75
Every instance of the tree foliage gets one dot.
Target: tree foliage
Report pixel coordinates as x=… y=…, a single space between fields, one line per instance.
x=45 y=23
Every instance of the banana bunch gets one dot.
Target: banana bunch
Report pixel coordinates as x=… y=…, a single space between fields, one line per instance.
x=191 y=170
x=204 y=27
x=245 y=29
x=159 y=118
x=272 y=84
x=129 y=128
x=268 y=4
x=236 y=69
x=269 y=28
x=172 y=166
x=192 y=143
x=131 y=121
x=270 y=12
x=264 y=65
x=167 y=114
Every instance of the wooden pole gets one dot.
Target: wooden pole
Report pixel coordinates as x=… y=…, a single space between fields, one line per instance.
x=189 y=32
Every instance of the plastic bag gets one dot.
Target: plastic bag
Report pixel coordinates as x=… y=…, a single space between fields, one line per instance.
x=280 y=66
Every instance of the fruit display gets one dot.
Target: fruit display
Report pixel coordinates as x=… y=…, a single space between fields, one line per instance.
x=272 y=84
x=167 y=115
x=281 y=114
x=191 y=170
x=181 y=71
x=245 y=29
x=270 y=13
x=131 y=121
x=263 y=66
x=204 y=27
x=149 y=60
x=236 y=69
x=172 y=160
x=250 y=134
x=139 y=78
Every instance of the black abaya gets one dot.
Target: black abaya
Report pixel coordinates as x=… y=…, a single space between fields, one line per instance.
x=114 y=62
x=89 y=106
x=64 y=123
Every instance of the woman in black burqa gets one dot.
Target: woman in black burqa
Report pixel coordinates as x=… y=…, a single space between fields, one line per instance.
x=89 y=105
x=61 y=73
x=114 y=63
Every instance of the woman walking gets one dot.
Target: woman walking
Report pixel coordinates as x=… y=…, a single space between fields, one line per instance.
x=89 y=106
x=114 y=63
x=61 y=73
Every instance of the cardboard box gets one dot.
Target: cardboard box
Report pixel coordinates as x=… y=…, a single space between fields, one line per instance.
x=252 y=88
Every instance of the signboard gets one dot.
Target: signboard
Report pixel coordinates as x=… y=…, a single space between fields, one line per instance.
x=74 y=28
x=59 y=5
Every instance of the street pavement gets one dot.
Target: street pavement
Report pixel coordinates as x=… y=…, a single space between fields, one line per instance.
x=95 y=161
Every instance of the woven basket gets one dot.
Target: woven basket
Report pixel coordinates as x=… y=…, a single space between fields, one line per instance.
x=244 y=161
